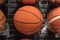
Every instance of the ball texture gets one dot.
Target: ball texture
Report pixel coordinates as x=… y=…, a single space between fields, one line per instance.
x=28 y=1
x=2 y=1
x=54 y=20
x=57 y=2
x=2 y=20
x=28 y=20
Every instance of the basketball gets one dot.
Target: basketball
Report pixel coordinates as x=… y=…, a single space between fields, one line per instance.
x=57 y=2
x=2 y=1
x=26 y=39
x=2 y=20
x=28 y=1
x=54 y=20
x=28 y=20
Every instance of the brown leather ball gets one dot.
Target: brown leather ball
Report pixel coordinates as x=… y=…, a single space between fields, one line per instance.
x=28 y=20
x=54 y=20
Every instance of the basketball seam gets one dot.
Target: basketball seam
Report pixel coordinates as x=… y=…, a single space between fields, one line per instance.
x=54 y=17
x=34 y=29
x=30 y=22
x=55 y=20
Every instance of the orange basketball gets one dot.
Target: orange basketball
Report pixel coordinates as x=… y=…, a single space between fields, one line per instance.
x=2 y=20
x=2 y=1
x=54 y=20
x=57 y=2
x=28 y=20
x=28 y=1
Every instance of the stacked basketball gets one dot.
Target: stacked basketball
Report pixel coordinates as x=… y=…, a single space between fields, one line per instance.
x=28 y=20
x=54 y=20
x=2 y=21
